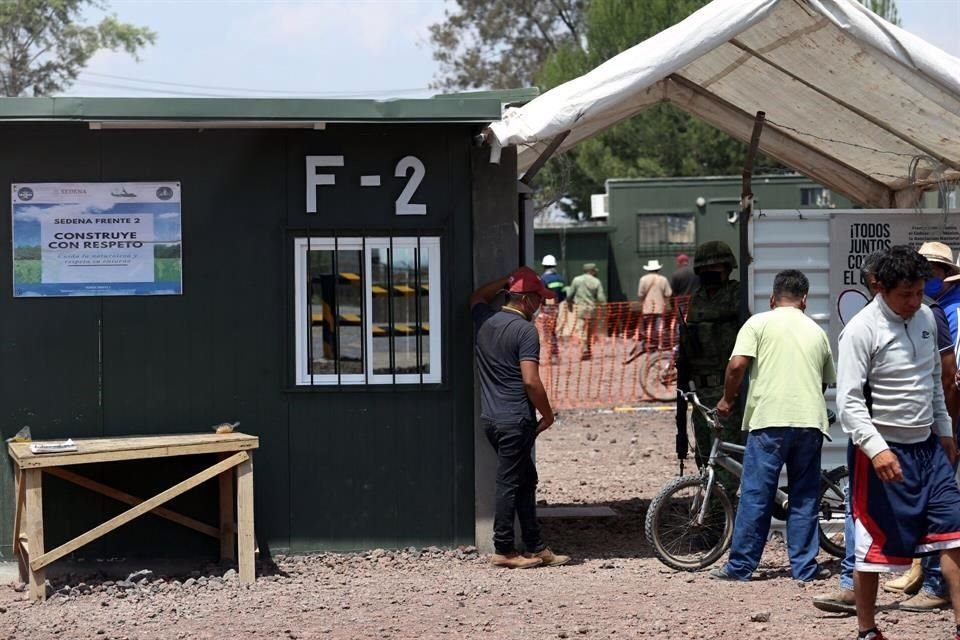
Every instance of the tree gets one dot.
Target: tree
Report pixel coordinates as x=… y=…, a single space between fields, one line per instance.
x=44 y=44
x=657 y=142
x=502 y=44
x=886 y=9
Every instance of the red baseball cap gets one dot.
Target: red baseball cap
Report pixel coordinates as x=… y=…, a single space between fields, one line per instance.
x=526 y=280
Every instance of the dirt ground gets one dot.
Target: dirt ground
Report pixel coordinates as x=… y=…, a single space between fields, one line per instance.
x=614 y=588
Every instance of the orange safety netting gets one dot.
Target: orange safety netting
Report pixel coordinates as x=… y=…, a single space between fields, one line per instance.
x=608 y=356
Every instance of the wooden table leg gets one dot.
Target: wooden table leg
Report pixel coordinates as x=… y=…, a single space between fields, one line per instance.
x=228 y=531
x=245 y=535
x=19 y=492
x=33 y=478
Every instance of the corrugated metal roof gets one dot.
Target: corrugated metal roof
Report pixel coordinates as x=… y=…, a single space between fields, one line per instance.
x=459 y=107
x=852 y=101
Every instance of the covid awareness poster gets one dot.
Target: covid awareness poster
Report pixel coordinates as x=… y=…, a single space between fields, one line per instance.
x=854 y=236
x=96 y=239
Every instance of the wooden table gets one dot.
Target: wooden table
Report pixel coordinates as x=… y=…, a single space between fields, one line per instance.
x=235 y=461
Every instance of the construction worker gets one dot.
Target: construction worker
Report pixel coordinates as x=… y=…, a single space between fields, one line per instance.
x=554 y=282
x=706 y=342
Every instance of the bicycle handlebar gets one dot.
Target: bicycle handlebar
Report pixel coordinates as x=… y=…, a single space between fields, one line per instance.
x=692 y=398
x=711 y=414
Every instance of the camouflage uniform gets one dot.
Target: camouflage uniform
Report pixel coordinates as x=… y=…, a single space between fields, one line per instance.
x=706 y=341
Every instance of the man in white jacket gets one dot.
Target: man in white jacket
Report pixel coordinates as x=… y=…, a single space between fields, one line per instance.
x=905 y=500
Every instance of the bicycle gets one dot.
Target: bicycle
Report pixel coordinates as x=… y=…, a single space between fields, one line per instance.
x=690 y=521
x=659 y=377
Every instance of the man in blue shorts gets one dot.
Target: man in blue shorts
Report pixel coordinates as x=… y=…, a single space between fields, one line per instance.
x=943 y=297
x=905 y=500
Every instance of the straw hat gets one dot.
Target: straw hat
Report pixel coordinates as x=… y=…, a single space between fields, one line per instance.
x=652 y=265
x=942 y=255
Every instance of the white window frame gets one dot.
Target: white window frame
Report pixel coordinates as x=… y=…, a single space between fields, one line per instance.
x=429 y=245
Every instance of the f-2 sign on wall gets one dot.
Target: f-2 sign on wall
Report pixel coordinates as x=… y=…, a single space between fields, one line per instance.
x=409 y=168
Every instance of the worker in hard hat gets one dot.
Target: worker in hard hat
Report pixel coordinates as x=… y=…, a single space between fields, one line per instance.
x=553 y=281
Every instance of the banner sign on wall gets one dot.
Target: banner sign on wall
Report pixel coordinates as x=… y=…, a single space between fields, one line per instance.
x=96 y=239
x=854 y=236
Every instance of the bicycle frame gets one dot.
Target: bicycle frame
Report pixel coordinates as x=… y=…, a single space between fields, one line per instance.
x=718 y=457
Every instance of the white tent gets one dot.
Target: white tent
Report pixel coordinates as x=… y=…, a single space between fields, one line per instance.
x=852 y=101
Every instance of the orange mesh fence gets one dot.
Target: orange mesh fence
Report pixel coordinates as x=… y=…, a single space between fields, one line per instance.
x=608 y=356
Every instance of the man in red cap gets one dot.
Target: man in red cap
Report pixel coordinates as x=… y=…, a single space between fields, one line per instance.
x=508 y=367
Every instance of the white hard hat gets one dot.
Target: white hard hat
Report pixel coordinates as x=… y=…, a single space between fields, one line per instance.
x=549 y=261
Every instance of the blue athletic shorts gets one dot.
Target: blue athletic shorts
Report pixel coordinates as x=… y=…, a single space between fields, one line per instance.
x=897 y=521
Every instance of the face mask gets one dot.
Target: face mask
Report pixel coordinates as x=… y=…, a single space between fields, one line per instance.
x=933 y=286
x=709 y=278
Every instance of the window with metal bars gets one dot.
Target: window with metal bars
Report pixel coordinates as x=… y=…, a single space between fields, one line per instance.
x=659 y=233
x=368 y=310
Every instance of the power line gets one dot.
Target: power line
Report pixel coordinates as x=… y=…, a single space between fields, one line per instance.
x=251 y=90
x=111 y=85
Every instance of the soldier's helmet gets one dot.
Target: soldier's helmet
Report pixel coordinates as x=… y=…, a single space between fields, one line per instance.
x=714 y=252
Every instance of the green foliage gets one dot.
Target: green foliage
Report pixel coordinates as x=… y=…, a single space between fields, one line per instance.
x=166 y=251
x=26 y=271
x=166 y=270
x=44 y=44
x=886 y=9
x=27 y=252
x=502 y=44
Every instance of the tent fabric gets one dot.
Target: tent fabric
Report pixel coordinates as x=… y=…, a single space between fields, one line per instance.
x=856 y=103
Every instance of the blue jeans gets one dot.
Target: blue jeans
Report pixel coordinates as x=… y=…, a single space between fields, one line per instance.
x=932 y=577
x=766 y=453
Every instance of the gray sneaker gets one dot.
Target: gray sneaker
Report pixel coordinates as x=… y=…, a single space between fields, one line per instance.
x=840 y=601
x=721 y=574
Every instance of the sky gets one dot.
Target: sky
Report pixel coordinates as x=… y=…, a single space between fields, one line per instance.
x=321 y=48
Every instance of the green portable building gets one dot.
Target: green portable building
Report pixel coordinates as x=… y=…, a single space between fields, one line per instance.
x=327 y=249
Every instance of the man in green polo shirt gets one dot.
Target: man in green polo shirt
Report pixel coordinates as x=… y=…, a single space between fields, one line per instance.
x=790 y=363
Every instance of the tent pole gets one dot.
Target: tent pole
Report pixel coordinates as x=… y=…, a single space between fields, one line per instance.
x=543 y=157
x=746 y=211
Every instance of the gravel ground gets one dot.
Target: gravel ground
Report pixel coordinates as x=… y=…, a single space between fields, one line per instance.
x=614 y=588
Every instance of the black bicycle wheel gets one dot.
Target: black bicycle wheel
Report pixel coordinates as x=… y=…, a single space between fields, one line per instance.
x=833 y=511
x=672 y=531
x=659 y=378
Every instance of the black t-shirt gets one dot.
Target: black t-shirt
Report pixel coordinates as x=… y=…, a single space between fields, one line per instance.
x=683 y=281
x=504 y=339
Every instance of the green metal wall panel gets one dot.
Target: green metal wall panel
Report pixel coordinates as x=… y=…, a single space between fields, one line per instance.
x=631 y=199
x=573 y=248
x=342 y=468
x=49 y=347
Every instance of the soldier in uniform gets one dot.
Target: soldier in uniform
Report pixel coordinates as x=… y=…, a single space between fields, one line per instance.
x=706 y=341
x=585 y=295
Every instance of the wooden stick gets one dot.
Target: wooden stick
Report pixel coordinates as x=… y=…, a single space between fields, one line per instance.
x=126 y=498
x=34 y=501
x=228 y=548
x=20 y=491
x=245 y=534
x=144 y=507
x=22 y=551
